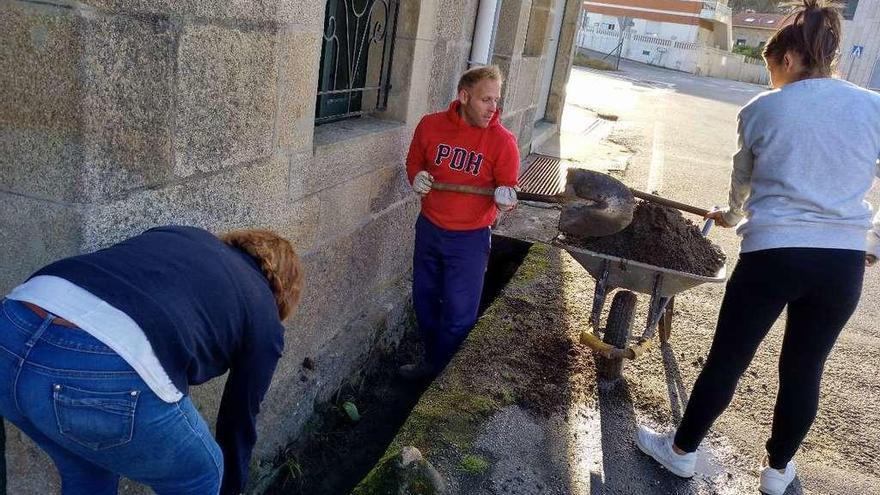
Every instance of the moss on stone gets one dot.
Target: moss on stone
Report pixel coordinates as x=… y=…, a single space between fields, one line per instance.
x=474 y=464
x=452 y=412
x=382 y=479
x=536 y=263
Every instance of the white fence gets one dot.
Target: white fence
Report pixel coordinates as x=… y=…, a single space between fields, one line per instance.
x=695 y=58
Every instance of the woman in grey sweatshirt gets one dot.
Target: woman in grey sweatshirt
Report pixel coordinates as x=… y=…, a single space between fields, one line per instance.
x=808 y=154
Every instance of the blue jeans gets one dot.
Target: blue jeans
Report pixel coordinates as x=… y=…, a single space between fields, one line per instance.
x=94 y=416
x=448 y=271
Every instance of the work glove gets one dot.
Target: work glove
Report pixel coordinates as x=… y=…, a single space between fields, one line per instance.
x=422 y=183
x=505 y=198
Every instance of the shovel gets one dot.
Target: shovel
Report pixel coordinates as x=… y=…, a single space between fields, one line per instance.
x=593 y=204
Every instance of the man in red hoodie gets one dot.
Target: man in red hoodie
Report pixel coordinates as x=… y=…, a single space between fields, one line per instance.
x=465 y=144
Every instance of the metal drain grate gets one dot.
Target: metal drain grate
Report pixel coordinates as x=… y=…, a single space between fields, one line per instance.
x=544 y=176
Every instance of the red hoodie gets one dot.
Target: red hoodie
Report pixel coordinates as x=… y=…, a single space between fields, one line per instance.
x=455 y=152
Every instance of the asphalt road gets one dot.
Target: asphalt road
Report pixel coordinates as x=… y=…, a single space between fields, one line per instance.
x=681 y=131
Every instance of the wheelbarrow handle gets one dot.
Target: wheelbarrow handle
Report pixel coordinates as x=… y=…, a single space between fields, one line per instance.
x=488 y=191
x=653 y=198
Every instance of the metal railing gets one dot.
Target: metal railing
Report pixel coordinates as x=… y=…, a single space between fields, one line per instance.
x=352 y=36
x=716 y=10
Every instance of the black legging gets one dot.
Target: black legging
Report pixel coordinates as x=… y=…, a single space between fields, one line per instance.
x=821 y=288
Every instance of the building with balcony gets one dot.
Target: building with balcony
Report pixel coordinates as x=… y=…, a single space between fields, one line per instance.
x=684 y=21
x=754 y=29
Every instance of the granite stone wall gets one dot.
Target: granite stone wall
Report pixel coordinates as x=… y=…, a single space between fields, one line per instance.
x=119 y=115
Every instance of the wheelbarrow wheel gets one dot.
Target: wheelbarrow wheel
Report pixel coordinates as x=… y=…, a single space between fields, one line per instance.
x=620 y=318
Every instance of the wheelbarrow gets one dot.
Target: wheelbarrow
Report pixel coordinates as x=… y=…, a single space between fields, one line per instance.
x=632 y=277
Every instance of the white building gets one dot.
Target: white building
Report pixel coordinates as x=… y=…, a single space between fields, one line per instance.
x=860 y=51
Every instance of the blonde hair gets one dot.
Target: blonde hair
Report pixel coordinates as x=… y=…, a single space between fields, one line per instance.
x=476 y=74
x=277 y=260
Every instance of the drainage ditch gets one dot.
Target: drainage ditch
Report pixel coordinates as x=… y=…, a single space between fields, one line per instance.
x=348 y=435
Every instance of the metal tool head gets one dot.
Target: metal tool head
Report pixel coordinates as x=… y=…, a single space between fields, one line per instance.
x=597 y=204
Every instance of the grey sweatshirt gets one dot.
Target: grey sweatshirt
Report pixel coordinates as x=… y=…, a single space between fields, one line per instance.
x=807 y=155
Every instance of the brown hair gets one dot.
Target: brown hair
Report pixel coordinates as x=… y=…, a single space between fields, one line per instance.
x=812 y=32
x=277 y=260
x=477 y=74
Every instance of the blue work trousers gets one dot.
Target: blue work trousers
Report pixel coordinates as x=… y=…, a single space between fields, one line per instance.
x=448 y=271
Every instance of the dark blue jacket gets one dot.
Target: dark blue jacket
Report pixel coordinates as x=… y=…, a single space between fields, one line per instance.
x=206 y=308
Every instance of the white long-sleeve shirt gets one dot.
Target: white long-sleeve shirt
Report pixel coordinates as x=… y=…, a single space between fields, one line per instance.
x=807 y=156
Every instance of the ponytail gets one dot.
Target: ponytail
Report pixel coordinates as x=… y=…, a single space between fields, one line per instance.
x=813 y=32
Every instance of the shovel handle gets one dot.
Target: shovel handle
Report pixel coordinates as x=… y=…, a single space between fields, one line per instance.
x=488 y=191
x=653 y=198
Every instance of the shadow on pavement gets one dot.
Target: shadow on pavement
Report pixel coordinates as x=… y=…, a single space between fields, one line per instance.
x=626 y=470
x=678 y=394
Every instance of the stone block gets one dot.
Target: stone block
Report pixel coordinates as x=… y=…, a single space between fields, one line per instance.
x=510 y=34
x=408 y=78
x=299 y=55
x=226 y=91
x=298 y=164
x=353 y=147
x=244 y=197
x=389 y=185
x=382 y=250
x=419 y=82
x=39 y=57
x=344 y=206
x=307 y=13
x=529 y=75
x=455 y=20
x=512 y=121
x=34 y=233
x=450 y=61
x=127 y=100
x=40 y=119
x=298 y=223
x=326 y=295
x=414 y=16
x=538 y=31
x=42 y=163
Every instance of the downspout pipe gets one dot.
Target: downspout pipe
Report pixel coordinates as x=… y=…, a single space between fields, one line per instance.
x=481 y=47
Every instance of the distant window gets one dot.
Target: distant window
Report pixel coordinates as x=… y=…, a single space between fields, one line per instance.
x=646 y=52
x=610 y=27
x=355 y=58
x=740 y=41
x=850 y=11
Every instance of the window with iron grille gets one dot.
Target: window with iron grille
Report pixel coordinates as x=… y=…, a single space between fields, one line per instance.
x=850 y=10
x=355 y=70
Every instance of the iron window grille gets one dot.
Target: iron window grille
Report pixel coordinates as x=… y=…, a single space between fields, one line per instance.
x=356 y=58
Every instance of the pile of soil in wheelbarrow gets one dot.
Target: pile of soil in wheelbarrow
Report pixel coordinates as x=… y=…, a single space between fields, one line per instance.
x=660 y=236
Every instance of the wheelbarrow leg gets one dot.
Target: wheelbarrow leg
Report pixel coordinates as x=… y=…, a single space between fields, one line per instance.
x=599 y=298
x=665 y=324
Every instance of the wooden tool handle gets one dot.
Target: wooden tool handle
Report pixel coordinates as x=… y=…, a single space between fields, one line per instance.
x=463 y=188
x=670 y=203
x=488 y=191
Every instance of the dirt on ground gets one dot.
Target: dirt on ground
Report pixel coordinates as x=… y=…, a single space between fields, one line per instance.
x=662 y=237
x=335 y=452
x=544 y=369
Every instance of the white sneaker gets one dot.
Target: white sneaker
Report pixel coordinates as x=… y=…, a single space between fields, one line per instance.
x=773 y=482
x=659 y=447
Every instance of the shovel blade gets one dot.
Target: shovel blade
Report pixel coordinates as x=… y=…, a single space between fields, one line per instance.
x=598 y=205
